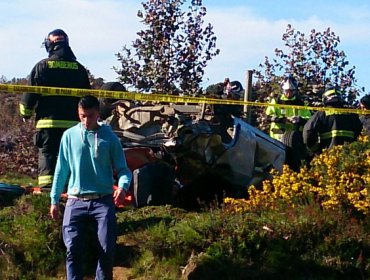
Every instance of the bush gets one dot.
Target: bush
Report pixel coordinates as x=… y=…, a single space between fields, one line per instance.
x=30 y=240
x=338 y=178
x=312 y=224
x=16 y=140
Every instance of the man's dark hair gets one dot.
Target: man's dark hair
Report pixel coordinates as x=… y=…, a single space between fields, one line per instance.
x=89 y=102
x=365 y=101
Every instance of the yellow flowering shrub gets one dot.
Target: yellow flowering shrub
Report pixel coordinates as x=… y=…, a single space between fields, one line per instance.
x=337 y=178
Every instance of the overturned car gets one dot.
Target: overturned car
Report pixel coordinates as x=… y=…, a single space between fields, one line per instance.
x=184 y=156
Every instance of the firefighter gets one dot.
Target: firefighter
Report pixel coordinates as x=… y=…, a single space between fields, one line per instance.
x=287 y=119
x=365 y=118
x=326 y=129
x=53 y=114
x=106 y=104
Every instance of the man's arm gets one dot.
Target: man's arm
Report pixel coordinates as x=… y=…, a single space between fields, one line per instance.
x=62 y=171
x=124 y=174
x=29 y=100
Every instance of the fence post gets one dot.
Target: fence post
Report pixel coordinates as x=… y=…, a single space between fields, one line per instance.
x=248 y=96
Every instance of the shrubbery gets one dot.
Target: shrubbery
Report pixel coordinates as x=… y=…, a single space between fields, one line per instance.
x=30 y=243
x=17 y=152
x=312 y=224
x=338 y=178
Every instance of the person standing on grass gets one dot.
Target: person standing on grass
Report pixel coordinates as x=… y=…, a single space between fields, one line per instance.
x=53 y=113
x=89 y=154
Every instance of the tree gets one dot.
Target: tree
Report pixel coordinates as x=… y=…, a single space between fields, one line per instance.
x=171 y=54
x=315 y=61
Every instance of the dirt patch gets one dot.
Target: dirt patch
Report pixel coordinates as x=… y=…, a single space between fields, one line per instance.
x=122 y=273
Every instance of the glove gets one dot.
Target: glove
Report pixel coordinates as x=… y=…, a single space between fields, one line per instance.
x=294 y=119
x=277 y=119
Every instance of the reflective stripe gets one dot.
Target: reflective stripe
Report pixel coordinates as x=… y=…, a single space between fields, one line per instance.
x=284 y=98
x=44 y=123
x=62 y=64
x=271 y=110
x=24 y=111
x=336 y=133
x=330 y=92
x=332 y=112
x=45 y=180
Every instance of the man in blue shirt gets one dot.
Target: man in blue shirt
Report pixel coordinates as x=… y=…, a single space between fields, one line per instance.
x=89 y=153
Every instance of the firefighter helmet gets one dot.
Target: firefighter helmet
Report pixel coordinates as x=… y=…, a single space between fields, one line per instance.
x=62 y=38
x=289 y=83
x=332 y=95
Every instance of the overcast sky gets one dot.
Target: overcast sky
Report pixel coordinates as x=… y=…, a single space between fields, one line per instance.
x=246 y=30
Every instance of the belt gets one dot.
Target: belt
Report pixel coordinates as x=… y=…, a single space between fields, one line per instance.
x=85 y=197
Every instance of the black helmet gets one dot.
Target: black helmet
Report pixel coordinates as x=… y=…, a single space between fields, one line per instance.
x=49 y=45
x=365 y=101
x=116 y=86
x=332 y=95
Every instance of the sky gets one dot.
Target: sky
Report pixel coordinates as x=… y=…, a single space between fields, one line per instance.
x=246 y=30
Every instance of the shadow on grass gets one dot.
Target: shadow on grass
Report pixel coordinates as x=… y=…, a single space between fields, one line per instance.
x=126 y=255
x=125 y=227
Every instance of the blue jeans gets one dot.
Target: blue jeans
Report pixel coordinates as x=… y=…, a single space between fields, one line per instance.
x=77 y=213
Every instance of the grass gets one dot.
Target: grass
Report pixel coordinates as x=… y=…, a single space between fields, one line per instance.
x=18 y=179
x=163 y=242
x=300 y=241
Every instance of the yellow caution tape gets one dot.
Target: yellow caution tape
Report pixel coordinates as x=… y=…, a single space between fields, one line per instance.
x=78 y=92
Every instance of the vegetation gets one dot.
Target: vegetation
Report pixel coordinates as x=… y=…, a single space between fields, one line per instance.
x=314 y=60
x=17 y=152
x=171 y=54
x=308 y=224
x=313 y=224
x=339 y=178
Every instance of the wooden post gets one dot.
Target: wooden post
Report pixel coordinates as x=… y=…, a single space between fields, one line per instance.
x=248 y=96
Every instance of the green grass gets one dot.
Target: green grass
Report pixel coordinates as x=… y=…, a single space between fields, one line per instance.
x=163 y=242
x=18 y=179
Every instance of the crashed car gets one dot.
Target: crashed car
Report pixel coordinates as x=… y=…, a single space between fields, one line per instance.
x=184 y=156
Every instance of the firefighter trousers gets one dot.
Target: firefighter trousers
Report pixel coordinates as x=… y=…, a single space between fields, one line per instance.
x=47 y=140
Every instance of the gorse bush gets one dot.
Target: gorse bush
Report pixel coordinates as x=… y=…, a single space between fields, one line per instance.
x=338 y=178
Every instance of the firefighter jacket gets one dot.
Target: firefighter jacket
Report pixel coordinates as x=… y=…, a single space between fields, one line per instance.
x=52 y=111
x=327 y=129
x=365 y=120
x=286 y=119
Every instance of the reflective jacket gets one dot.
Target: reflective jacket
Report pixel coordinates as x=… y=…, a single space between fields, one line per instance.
x=280 y=117
x=327 y=129
x=53 y=111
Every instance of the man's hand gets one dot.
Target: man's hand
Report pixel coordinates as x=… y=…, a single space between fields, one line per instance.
x=294 y=119
x=119 y=196
x=54 y=211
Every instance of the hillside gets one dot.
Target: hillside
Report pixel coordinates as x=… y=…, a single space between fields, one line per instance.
x=311 y=224
x=17 y=152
